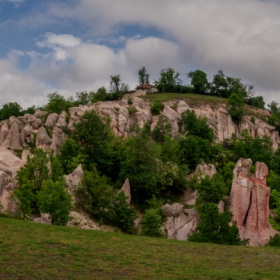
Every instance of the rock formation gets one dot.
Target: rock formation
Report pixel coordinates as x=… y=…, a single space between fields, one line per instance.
x=127 y=191
x=249 y=202
x=179 y=222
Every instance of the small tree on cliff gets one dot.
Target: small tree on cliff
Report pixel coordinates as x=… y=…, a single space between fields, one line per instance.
x=143 y=76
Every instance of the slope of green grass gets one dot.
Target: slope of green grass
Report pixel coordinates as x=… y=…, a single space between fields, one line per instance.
x=36 y=251
x=192 y=99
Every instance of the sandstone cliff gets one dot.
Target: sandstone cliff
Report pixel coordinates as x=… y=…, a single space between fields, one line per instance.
x=49 y=132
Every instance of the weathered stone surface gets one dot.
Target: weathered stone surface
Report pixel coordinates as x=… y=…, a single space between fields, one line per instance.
x=179 y=223
x=40 y=113
x=127 y=191
x=14 y=138
x=173 y=118
x=249 y=202
x=37 y=124
x=4 y=131
x=43 y=140
x=9 y=163
x=43 y=219
x=62 y=120
x=182 y=107
x=221 y=206
x=73 y=180
x=206 y=169
x=82 y=220
x=52 y=120
x=173 y=210
x=58 y=138
x=5 y=199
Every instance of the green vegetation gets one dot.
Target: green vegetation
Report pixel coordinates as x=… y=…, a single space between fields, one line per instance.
x=37 y=251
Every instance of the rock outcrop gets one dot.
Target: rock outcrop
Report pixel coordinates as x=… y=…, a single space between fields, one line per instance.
x=16 y=132
x=127 y=191
x=179 y=223
x=249 y=202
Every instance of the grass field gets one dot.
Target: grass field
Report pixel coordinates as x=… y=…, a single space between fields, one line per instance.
x=191 y=98
x=36 y=251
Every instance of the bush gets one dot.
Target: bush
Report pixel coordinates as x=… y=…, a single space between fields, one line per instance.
x=151 y=224
x=214 y=228
x=274 y=241
x=162 y=129
x=54 y=199
x=156 y=108
x=132 y=110
x=121 y=214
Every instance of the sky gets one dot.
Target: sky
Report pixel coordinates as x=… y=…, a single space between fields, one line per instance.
x=71 y=46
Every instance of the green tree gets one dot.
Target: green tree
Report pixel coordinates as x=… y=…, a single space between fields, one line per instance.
x=84 y=98
x=120 y=213
x=117 y=85
x=156 y=108
x=214 y=228
x=162 y=129
x=197 y=126
x=26 y=199
x=140 y=166
x=35 y=171
x=151 y=223
x=219 y=84
x=199 y=81
x=210 y=190
x=94 y=136
x=54 y=199
x=236 y=109
x=168 y=78
x=57 y=103
x=10 y=109
x=143 y=76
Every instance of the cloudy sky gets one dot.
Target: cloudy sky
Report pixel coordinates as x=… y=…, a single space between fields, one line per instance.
x=75 y=45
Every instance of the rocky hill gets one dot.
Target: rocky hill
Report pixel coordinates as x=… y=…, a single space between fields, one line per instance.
x=19 y=135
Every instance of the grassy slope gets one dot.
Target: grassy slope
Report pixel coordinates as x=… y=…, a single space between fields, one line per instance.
x=192 y=99
x=29 y=251
x=197 y=100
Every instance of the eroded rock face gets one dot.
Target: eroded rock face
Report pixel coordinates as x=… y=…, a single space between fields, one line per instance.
x=14 y=138
x=179 y=223
x=73 y=180
x=43 y=140
x=249 y=202
x=127 y=191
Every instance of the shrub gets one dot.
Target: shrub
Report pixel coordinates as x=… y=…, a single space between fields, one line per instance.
x=54 y=199
x=121 y=214
x=130 y=101
x=274 y=241
x=132 y=110
x=151 y=224
x=156 y=108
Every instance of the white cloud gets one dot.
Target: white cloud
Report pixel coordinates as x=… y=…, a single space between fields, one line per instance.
x=240 y=38
x=61 y=40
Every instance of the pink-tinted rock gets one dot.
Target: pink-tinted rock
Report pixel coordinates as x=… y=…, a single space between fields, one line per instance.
x=127 y=191
x=249 y=202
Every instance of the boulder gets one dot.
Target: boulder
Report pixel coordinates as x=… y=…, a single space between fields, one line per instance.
x=126 y=189
x=173 y=210
x=4 y=131
x=249 y=202
x=204 y=169
x=73 y=180
x=43 y=140
x=43 y=219
x=39 y=113
x=58 y=138
x=182 y=107
x=52 y=120
x=173 y=118
x=179 y=223
x=62 y=120
x=14 y=138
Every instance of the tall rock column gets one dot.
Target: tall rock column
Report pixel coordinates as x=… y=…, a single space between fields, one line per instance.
x=249 y=202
